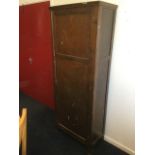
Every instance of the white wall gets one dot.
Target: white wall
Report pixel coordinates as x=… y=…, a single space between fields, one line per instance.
x=23 y=2
x=61 y=2
x=120 y=111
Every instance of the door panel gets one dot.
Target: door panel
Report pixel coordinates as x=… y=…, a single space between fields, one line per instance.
x=72 y=94
x=72 y=32
x=24 y=49
x=36 y=55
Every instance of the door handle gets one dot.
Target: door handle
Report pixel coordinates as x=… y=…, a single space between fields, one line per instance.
x=30 y=60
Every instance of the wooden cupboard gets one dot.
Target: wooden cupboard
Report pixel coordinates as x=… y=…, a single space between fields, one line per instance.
x=83 y=35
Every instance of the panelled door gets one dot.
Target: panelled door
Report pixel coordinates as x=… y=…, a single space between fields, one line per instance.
x=72 y=41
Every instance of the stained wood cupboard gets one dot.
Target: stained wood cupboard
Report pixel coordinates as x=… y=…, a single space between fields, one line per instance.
x=83 y=35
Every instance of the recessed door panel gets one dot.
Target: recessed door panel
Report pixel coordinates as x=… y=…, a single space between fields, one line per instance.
x=72 y=31
x=72 y=94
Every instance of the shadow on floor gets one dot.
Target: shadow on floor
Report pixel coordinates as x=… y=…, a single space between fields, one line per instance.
x=45 y=139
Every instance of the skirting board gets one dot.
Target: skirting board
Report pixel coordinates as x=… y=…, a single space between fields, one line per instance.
x=118 y=145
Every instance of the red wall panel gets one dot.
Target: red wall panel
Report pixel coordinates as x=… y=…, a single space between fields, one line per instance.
x=35 y=56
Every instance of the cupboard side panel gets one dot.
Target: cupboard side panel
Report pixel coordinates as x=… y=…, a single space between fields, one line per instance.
x=105 y=29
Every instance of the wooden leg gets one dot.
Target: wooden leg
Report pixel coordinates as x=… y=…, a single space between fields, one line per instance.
x=24 y=142
x=24 y=145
